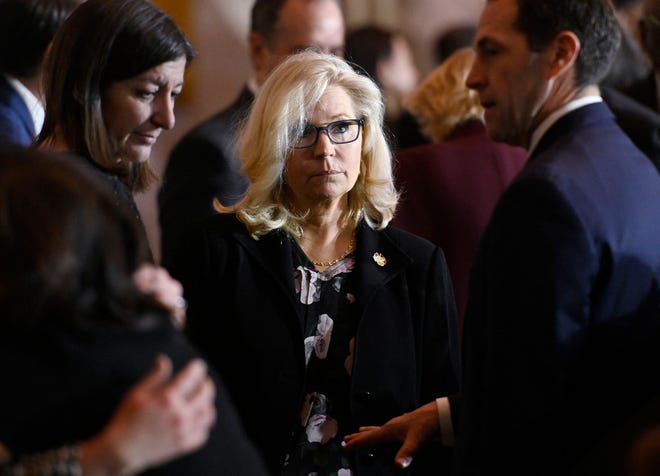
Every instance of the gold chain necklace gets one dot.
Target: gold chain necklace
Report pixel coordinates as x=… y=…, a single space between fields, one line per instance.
x=349 y=250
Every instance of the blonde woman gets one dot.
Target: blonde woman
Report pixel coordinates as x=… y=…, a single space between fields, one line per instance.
x=320 y=316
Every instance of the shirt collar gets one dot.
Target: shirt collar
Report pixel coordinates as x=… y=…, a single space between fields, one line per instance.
x=33 y=103
x=540 y=131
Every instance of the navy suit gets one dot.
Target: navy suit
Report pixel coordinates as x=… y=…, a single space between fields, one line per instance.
x=563 y=320
x=243 y=315
x=16 y=124
x=204 y=165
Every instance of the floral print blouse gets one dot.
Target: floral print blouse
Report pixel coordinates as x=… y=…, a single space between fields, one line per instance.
x=329 y=328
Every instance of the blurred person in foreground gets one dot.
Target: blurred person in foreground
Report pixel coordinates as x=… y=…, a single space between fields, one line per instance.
x=340 y=320
x=205 y=164
x=449 y=188
x=77 y=335
x=562 y=318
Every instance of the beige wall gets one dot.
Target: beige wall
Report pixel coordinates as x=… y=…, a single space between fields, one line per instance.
x=218 y=29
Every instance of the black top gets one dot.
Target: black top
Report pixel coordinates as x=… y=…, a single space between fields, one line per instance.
x=62 y=386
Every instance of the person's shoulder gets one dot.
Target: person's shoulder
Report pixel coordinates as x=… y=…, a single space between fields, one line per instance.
x=624 y=106
x=417 y=152
x=409 y=242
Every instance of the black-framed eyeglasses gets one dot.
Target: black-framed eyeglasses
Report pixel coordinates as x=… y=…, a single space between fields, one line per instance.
x=339 y=132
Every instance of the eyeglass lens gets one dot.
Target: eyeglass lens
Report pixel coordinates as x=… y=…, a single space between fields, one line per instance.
x=339 y=132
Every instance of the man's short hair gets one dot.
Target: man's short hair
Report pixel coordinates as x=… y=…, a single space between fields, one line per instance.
x=26 y=29
x=592 y=21
x=265 y=17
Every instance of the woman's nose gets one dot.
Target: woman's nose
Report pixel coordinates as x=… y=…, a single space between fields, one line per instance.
x=324 y=147
x=164 y=114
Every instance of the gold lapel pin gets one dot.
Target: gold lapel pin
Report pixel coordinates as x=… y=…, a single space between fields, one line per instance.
x=380 y=259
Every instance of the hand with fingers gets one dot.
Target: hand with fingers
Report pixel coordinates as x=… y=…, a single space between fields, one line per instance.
x=157 y=282
x=160 y=418
x=413 y=430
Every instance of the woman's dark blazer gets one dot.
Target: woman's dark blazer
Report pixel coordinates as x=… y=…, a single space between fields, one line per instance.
x=243 y=315
x=61 y=386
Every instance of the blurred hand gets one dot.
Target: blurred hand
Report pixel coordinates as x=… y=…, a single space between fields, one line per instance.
x=157 y=282
x=412 y=429
x=159 y=419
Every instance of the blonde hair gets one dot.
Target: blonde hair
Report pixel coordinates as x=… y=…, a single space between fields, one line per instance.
x=279 y=114
x=442 y=100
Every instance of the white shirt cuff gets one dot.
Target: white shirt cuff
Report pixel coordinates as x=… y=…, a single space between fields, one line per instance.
x=444 y=416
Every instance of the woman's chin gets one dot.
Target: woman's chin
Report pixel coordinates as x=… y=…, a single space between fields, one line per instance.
x=136 y=154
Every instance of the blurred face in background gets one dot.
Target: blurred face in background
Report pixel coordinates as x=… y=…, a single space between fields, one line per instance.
x=399 y=72
x=138 y=109
x=302 y=24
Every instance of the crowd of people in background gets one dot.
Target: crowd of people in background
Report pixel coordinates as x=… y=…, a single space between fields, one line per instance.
x=362 y=270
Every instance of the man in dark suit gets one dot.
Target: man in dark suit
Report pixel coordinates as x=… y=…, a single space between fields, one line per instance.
x=27 y=28
x=563 y=314
x=205 y=164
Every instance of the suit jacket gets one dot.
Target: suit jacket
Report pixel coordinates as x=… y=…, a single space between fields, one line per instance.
x=639 y=122
x=563 y=313
x=449 y=191
x=16 y=125
x=204 y=165
x=62 y=386
x=243 y=315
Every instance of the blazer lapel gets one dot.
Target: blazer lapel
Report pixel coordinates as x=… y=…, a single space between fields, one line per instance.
x=274 y=254
x=378 y=261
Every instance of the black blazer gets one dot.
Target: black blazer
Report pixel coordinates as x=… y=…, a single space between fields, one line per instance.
x=204 y=165
x=243 y=316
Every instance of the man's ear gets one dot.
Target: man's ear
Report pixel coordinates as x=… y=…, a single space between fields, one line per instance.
x=563 y=52
x=258 y=50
